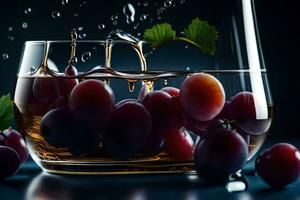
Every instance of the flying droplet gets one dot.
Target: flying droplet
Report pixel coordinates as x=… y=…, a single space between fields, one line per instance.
x=138 y=4
x=114 y=17
x=80 y=28
x=5 y=56
x=56 y=14
x=115 y=22
x=139 y=34
x=186 y=46
x=145 y=4
x=11 y=38
x=187 y=68
x=129 y=12
x=131 y=85
x=166 y=82
x=82 y=35
x=10 y=28
x=64 y=2
x=24 y=25
x=136 y=26
x=101 y=26
x=168 y=3
x=143 y=17
x=86 y=56
x=75 y=14
x=182 y=1
x=27 y=11
x=95 y=48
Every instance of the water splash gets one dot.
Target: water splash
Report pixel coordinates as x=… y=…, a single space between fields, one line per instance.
x=129 y=12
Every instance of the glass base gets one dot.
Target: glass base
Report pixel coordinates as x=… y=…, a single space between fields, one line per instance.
x=65 y=167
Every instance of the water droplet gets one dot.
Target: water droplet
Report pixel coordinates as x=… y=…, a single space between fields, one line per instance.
x=115 y=22
x=5 y=56
x=86 y=56
x=32 y=69
x=56 y=14
x=149 y=85
x=114 y=17
x=182 y=1
x=168 y=3
x=106 y=81
x=145 y=4
x=80 y=28
x=187 y=68
x=80 y=5
x=73 y=61
x=84 y=2
x=82 y=35
x=94 y=48
x=174 y=5
x=27 y=11
x=138 y=3
x=186 y=46
x=73 y=35
x=129 y=12
x=136 y=26
x=10 y=28
x=166 y=82
x=11 y=38
x=75 y=14
x=101 y=26
x=131 y=85
x=139 y=34
x=64 y=2
x=143 y=17
x=24 y=25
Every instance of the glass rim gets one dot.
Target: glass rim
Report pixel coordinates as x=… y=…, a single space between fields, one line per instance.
x=77 y=41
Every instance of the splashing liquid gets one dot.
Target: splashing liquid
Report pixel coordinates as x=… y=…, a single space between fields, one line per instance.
x=129 y=12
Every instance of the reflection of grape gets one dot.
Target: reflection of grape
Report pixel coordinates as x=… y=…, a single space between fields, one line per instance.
x=202 y=96
x=242 y=109
x=14 y=140
x=128 y=130
x=220 y=153
x=179 y=144
x=164 y=110
x=9 y=162
x=279 y=165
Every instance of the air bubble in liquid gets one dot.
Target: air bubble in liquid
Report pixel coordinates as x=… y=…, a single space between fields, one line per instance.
x=86 y=56
x=101 y=26
x=5 y=56
x=56 y=14
x=129 y=12
x=27 y=11
x=24 y=25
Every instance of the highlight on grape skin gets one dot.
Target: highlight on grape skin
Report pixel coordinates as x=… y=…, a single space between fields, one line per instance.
x=202 y=96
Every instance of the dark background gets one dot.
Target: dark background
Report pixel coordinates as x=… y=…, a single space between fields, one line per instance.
x=277 y=21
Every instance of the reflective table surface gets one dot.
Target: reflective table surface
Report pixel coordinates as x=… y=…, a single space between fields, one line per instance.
x=31 y=183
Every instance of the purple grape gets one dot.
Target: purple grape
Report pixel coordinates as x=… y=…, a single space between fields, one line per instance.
x=219 y=153
x=14 y=140
x=9 y=162
x=196 y=126
x=128 y=130
x=279 y=165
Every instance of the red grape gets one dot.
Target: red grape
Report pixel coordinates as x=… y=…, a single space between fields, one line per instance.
x=9 y=162
x=174 y=92
x=128 y=130
x=197 y=127
x=143 y=92
x=279 y=165
x=202 y=96
x=14 y=140
x=242 y=109
x=164 y=110
x=179 y=144
x=154 y=143
x=219 y=153
x=94 y=100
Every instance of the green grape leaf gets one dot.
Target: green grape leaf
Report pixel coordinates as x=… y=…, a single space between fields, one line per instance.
x=6 y=112
x=203 y=35
x=159 y=34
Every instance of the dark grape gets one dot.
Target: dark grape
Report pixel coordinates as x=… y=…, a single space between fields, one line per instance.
x=128 y=130
x=9 y=162
x=174 y=92
x=179 y=144
x=14 y=140
x=279 y=165
x=219 y=153
x=242 y=109
x=202 y=96
x=165 y=111
x=62 y=127
x=94 y=100
x=154 y=143
x=225 y=112
x=143 y=92
x=197 y=127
